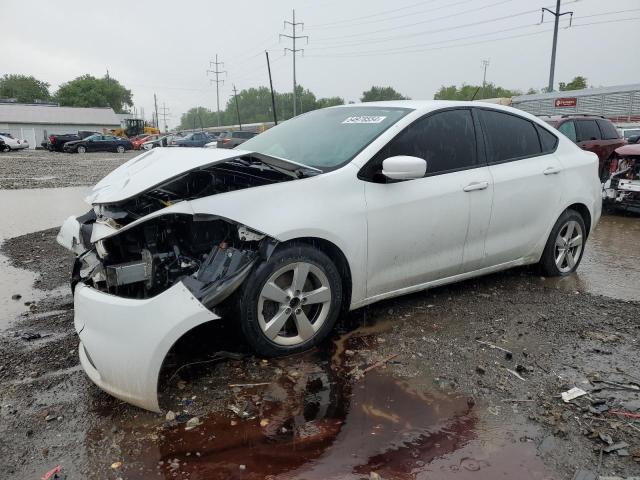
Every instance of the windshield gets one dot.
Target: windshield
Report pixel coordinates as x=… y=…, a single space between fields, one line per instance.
x=93 y=137
x=327 y=138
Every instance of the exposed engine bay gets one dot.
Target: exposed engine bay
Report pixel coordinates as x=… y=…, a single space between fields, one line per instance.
x=211 y=255
x=622 y=188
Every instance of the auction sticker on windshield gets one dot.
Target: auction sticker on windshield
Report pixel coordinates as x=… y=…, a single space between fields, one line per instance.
x=364 y=119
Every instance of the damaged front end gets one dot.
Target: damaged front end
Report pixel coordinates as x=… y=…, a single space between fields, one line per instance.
x=148 y=269
x=622 y=189
x=211 y=256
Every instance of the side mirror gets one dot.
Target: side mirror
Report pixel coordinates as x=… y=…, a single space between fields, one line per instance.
x=403 y=167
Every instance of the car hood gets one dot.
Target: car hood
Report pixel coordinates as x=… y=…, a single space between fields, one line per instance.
x=159 y=165
x=632 y=149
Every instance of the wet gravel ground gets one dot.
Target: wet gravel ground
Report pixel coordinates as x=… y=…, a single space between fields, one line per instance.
x=410 y=388
x=428 y=342
x=44 y=169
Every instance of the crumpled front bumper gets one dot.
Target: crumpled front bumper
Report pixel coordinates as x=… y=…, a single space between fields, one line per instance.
x=124 y=341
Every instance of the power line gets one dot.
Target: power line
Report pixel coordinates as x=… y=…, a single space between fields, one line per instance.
x=428 y=32
x=165 y=113
x=329 y=24
x=404 y=50
x=216 y=70
x=294 y=50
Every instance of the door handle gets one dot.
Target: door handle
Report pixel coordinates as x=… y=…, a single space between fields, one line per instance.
x=476 y=186
x=552 y=170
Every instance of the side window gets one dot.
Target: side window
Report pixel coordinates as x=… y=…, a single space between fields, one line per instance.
x=569 y=129
x=548 y=140
x=587 y=130
x=508 y=137
x=609 y=132
x=446 y=140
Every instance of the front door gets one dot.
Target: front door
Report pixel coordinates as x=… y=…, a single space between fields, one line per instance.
x=417 y=229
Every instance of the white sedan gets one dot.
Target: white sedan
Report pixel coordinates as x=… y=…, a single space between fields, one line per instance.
x=330 y=211
x=11 y=143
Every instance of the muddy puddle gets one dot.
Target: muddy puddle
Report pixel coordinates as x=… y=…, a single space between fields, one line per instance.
x=611 y=262
x=26 y=211
x=316 y=419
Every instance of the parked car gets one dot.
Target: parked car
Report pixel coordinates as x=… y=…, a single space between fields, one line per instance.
x=160 y=141
x=98 y=143
x=195 y=139
x=629 y=133
x=215 y=137
x=391 y=198
x=591 y=133
x=622 y=188
x=138 y=140
x=233 y=139
x=55 y=142
x=3 y=146
x=11 y=143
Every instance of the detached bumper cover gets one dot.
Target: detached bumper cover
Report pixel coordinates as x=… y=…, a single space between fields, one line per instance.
x=124 y=341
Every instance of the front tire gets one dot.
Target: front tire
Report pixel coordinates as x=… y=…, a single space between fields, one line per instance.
x=290 y=302
x=565 y=246
x=81 y=149
x=120 y=149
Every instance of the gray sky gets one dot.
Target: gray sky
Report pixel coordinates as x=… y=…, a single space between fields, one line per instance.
x=165 y=47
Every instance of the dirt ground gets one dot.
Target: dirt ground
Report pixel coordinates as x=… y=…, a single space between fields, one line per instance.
x=408 y=388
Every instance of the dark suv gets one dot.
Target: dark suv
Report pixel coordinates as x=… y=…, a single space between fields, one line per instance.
x=592 y=133
x=233 y=139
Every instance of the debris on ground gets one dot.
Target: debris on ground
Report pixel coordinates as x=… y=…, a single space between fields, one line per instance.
x=569 y=395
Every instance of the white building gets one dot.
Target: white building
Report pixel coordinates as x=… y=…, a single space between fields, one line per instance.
x=35 y=123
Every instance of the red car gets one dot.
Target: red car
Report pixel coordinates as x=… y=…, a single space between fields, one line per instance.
x=138 y=140
x=593 y=133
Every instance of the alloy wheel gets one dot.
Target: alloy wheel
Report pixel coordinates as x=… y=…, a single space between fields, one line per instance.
x=568 y=246
x=120 y=149
x=294 y=303
x=81 y=149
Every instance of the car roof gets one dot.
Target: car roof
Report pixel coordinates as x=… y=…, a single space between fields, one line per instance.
x=559 y=118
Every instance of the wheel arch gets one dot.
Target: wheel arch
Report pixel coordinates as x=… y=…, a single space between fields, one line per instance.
x=336 y=255
x=583 y=210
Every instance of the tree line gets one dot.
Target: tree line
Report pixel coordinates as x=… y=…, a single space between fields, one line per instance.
x=83 y=91
x=254 y=104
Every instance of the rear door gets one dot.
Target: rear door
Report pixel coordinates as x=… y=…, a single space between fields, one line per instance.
x=610 y=137
x=527 y=183
x=590 y=138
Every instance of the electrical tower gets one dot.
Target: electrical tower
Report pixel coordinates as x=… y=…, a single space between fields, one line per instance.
x=294 y=50
x=165 y=113
x=485 y=64
x=557 y=16
x=216 y=71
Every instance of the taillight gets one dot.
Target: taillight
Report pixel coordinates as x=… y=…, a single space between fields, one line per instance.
x=52 y=138
x=226 y=140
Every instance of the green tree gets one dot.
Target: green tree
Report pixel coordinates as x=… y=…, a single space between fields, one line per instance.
x=377 y=94
x=89 y=91
x=26 y=89
x=473 y=92
x=329 y=102
x=578 y=83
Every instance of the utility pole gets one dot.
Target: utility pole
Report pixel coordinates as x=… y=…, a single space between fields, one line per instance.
x=557 y=16
x=485 y=64
x=273 y=98
x=165 y=113
x=155 y=102
x=235 y=96
x=293 y=50
x=216 y=71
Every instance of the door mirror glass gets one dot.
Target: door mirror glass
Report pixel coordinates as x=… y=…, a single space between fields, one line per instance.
x=403 y=167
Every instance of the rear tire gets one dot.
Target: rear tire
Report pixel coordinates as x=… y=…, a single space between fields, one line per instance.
x=290 y=302
x=565 y=246
x=120 y=149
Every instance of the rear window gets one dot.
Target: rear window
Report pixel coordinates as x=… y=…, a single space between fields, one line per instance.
x=609 y=132
x=587 y=130
x=547 y=139
x=508 y=137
